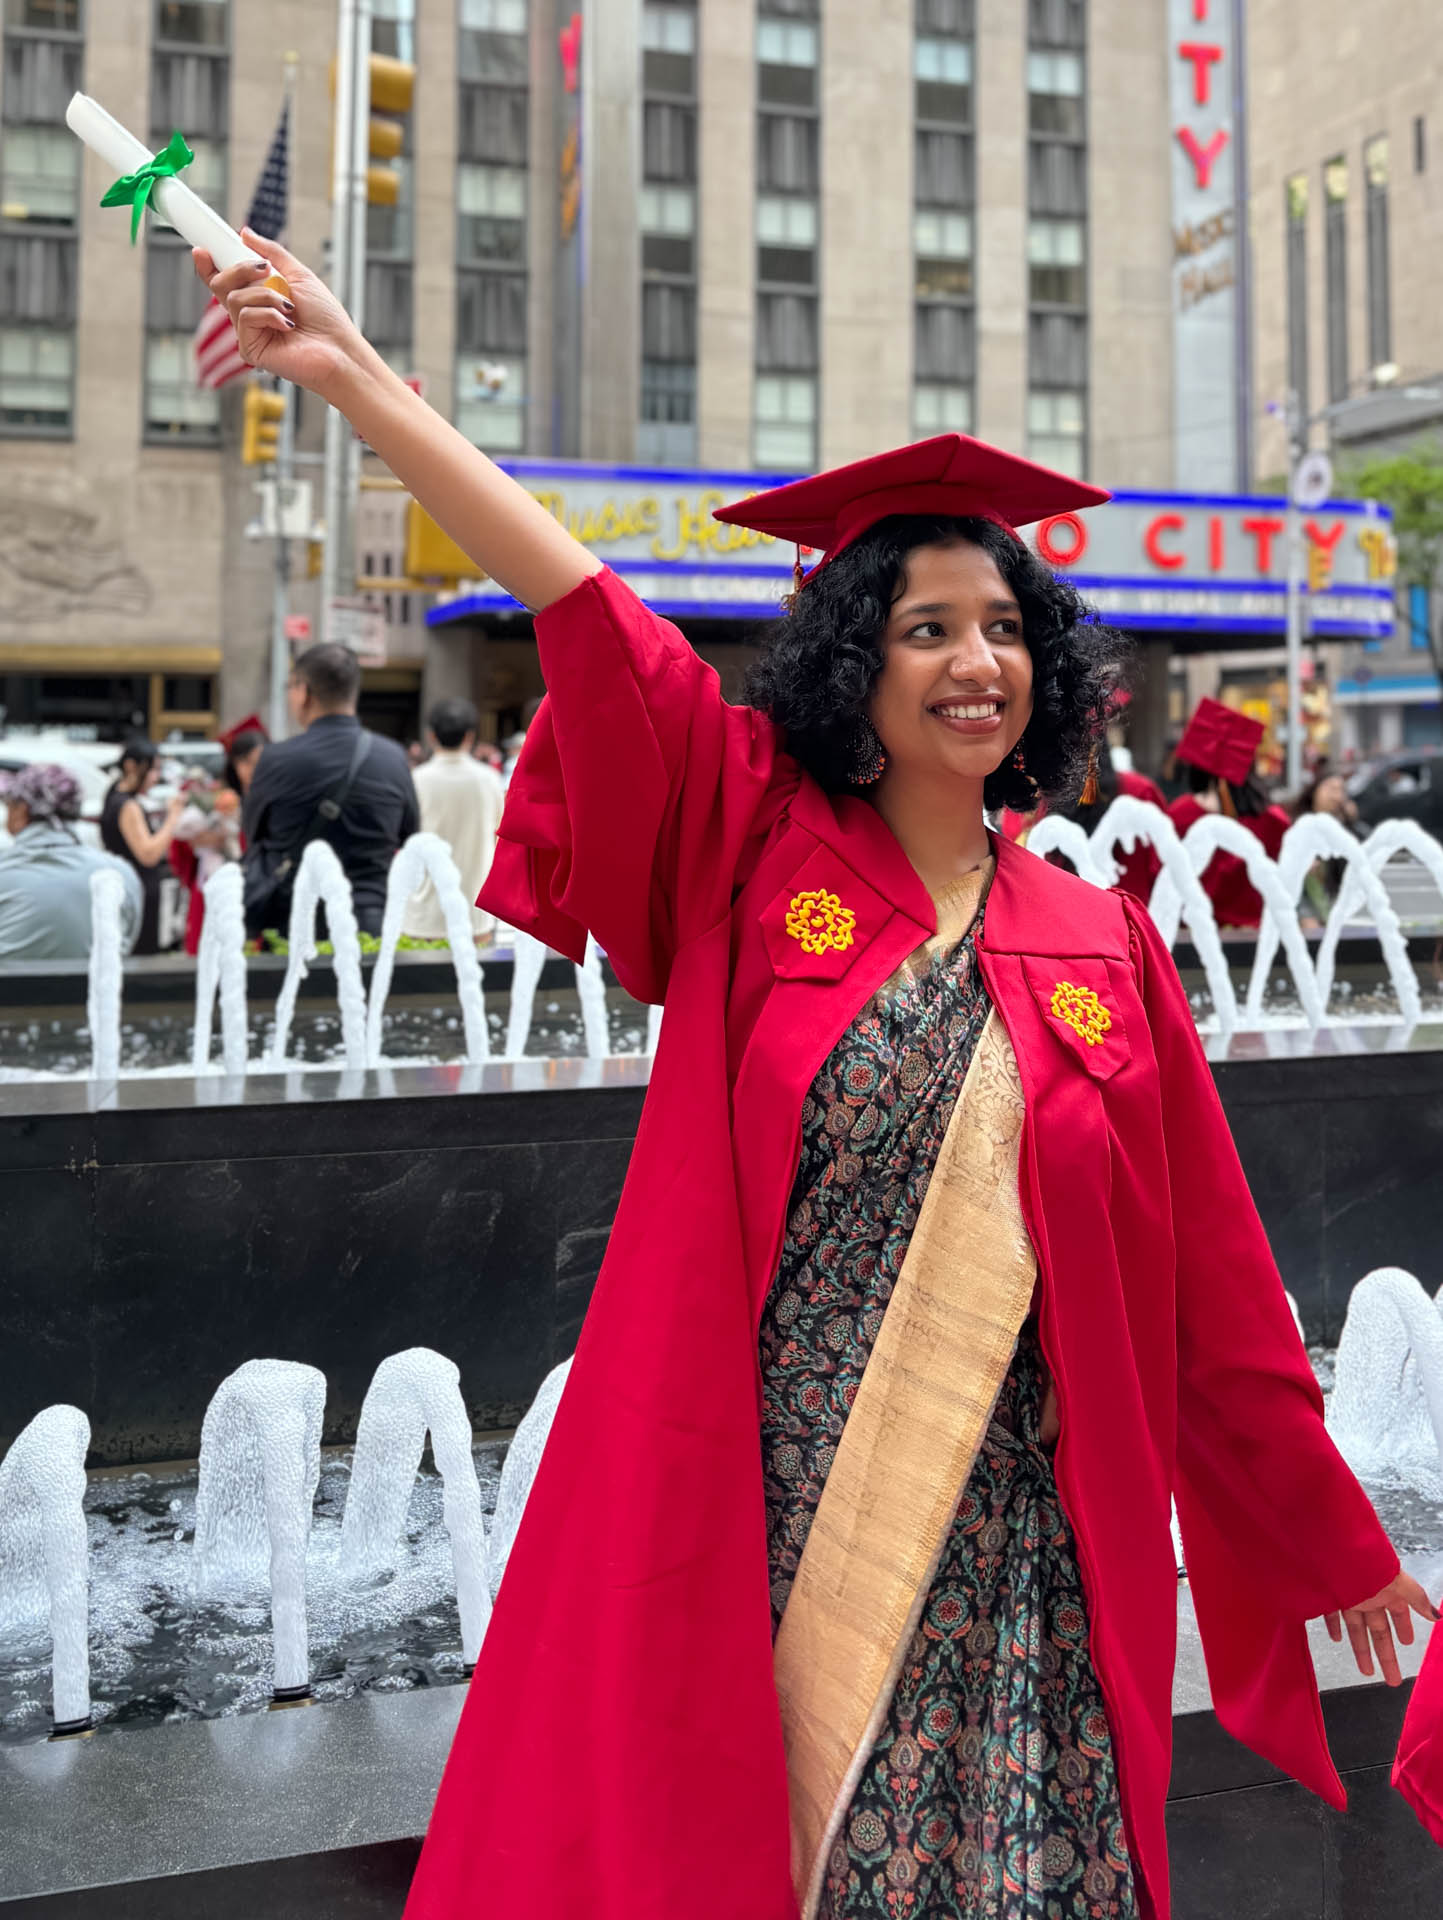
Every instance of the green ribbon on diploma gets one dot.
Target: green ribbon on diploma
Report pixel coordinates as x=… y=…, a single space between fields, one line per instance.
x=135 y=189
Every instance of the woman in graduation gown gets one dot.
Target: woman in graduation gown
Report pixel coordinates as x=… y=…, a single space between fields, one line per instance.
x=1217 y=752
x=846 y=1587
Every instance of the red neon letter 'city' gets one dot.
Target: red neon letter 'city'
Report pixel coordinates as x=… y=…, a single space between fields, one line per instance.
x=1159 y=556
x=1202 y=57
x=1263 y=531
x=1203 y=158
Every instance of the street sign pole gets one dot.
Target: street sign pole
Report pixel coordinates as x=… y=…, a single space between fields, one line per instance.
x=348 y=279
x=284 y=473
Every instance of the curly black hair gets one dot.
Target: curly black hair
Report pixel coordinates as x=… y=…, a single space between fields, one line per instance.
x=820 y=661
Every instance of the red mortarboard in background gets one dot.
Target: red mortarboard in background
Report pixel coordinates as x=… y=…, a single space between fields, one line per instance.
x=951 y=474
x=251 y=724
x=1221 y=741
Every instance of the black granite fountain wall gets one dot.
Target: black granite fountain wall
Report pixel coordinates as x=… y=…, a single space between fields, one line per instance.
x=159 y=1232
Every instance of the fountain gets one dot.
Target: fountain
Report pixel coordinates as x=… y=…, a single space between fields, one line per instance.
x=1127 y=822
x=43 y=1552
x=1386 y=1413
x=413 y=1394
x=102 y=1004
x=423 y=854
x=260 y=1460
x=221 y=961
x=523 y=1457
x=320 y=878
x=1318 y=836
x=529 y=958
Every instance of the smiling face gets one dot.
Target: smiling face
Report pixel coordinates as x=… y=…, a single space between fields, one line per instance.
x=955 y=690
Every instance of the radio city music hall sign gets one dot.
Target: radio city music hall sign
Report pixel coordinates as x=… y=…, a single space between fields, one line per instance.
x=1158 y=560
x=1207 y=432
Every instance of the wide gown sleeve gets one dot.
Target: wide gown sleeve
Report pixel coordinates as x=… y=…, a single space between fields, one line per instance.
x=1276 y=1529
x=636 y=794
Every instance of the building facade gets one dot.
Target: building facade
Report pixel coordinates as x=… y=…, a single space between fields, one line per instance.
x=750 y=236
x=1347 y=256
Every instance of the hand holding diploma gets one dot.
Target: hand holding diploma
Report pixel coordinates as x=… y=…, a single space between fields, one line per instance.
x=308 y=337
x=303 y=335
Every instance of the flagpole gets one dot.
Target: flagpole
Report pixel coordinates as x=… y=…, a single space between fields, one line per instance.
x=285 y=472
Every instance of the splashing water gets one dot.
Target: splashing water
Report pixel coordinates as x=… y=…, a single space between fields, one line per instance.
x=321 y=877
x=411 y=1394
x=1386 y=1413
x=523 y=1457
x=102 y=1002
x=43 y=1554
x=260 y=1460
x=529 y=957
x=221 y=960
x=591 y=991
x=428 y=854
x=1127 y=823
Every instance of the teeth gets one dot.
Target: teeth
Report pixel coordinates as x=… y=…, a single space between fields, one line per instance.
x=977 y=710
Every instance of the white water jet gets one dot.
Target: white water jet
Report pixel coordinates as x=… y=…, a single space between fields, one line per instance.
x=428 y=854
x=1128 y=823
x=528 y=957
x=1055 y=833
x=221 y=961
x=260 y=1461
x=1392 y=837
x=321 y=878
x=591 y=991
x=43 y=1550
x=523 y=1457
x=412 y=1394
x=1386 y=1412
x=103 y=984
x=1215 y=833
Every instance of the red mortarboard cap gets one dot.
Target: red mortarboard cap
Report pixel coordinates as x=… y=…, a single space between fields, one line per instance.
x=951 y=474
x=251 y=724
x=1221 y=741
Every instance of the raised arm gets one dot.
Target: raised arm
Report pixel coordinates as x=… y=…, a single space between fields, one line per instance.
x=310 y=340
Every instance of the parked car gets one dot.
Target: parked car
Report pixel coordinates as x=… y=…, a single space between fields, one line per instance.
x=1407 y=785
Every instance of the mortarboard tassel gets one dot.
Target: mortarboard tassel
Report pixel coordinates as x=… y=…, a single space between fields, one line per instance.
x=1225 y=799
x=1089 y=785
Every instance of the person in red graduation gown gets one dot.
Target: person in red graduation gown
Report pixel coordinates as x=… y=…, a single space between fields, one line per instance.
x=621 y=1754
x=1218 y=750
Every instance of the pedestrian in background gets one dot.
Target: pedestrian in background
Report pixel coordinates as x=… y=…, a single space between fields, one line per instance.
x=1327 y=792
x=45 y=871
x=334 y=781
x=461 y=800
x=126 y=830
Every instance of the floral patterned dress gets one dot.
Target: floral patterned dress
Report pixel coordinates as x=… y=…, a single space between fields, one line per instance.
x=991 y=1791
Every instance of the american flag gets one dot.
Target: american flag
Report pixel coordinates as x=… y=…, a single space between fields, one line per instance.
x=215 y=349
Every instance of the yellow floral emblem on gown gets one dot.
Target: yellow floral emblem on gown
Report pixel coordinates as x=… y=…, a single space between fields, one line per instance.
x=1080 y=1009
x=820 y=921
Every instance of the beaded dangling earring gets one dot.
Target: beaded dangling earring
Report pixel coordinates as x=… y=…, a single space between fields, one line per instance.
x=869 y=757
x=1019 y=758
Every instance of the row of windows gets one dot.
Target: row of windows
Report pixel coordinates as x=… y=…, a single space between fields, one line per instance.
x=666 y=427
x=1057 y=348
x=1335 y=186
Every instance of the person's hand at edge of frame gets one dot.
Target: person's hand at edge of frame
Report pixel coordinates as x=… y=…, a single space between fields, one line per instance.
x=1373 y=1625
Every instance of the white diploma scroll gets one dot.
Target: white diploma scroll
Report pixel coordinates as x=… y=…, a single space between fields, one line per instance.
x=201 y=225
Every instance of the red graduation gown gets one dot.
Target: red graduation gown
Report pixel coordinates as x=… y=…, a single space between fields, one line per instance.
x=1236 y=902
x=620 y=1753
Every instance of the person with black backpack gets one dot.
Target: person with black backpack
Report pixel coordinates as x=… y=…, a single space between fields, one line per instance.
x=332 y=781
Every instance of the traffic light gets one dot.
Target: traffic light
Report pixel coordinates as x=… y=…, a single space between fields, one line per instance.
x=392 y=83
x=260 y=434
x=432 y=554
